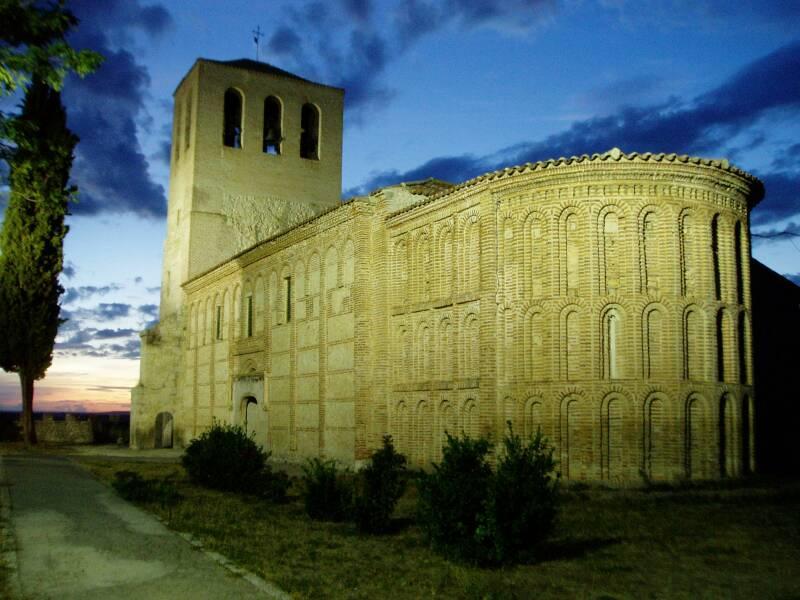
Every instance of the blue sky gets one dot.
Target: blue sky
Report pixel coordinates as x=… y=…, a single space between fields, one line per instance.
x=445 y=88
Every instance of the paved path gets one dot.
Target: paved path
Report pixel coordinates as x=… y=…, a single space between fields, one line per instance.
x=77 y=539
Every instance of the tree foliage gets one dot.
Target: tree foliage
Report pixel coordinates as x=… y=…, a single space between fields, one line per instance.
x=38 y=147
x=32 y=238
x=379 y=487
x=32 y=40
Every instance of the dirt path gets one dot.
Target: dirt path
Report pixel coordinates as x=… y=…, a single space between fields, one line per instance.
x=76 y=539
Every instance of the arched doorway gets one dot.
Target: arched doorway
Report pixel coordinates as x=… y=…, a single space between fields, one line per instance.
x=250 y=414
x=163 y=430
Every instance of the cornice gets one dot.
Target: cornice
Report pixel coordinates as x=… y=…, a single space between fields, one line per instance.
x=612 y=165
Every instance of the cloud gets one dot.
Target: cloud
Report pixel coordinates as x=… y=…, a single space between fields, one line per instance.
x=793 y=277
x=788 y=159
x=342 y=45
x=782 y=199
x=771 y=83
x=69 y=270
x=87 y=291
x=151 y=310
x=104 y=311
x=110 y=169
x=104 y=334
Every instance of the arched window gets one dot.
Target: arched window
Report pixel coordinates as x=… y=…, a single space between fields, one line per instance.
x=572 y=257
x=612 y=439
x=715 y=257
x=743 y=341
x=610 y=333
x=720 y=346
x=309 y=132
x=272 y=125
x=650 y=278
x=688 y=257
x=232 y=127
x=696 y=439
x=737 y=249
x=611 y=252
x=655 y=360
x=727 y=437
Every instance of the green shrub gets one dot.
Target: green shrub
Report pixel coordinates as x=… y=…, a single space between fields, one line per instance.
x=327 y=496
x=520 y=511
x=452 y=497
x=380 y=486
x=225 y=458
x=470 y=512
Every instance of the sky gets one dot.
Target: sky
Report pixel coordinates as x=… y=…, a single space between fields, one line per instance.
x=434 y=88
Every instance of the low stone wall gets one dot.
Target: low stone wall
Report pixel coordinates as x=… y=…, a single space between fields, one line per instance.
x=70 y=430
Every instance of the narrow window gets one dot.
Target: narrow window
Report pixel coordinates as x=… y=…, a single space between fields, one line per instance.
x=720 y=347
x=737 y=248
x=287 y=283
x=272 y=126
x=176 y=133
x=219 y=323
x=249 y=316
x=309 y=132
x=232 y=129
x=742 y=354
x=715 y=256
x=187 y=120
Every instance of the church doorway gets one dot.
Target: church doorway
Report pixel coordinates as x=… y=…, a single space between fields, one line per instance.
x=249 y=411
x=249 y=407
x=163 y=430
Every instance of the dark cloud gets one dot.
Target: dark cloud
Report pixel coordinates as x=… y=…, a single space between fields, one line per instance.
x=284 y=41
x=110 y=169
x=793 y=277
x=151 y=310
x=129 y=349
x=69 y=270
x=138 y=279
x=105 y=311
x=154 y=290
x=361 y=10
x=782 y=198
x=700 y=127
x=87 y=291
x=340 y=45
x=416 y=18
x=104 y=334
x=788 y=159
x=112 y=310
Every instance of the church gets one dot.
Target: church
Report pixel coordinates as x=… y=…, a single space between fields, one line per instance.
x=603 y=298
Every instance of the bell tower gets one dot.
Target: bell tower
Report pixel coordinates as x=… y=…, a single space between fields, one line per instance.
x=255 y=150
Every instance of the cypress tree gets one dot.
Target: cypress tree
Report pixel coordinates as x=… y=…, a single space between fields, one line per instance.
x=31 y=240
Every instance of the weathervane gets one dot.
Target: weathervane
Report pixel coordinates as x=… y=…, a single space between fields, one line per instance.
x=257 y=35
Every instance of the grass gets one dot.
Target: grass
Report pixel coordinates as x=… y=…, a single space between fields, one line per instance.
x=733 y=541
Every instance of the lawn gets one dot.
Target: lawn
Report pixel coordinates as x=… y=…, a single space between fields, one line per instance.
x=734 y=541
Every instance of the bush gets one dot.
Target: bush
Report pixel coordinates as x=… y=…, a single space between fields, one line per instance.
x=520 y=511
x=380 y=486
x=225 y=458
x=326 y=495
x=472 y=513
x=452 y=497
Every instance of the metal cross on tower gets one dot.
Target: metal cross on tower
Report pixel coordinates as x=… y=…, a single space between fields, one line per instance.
x=257 y=35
